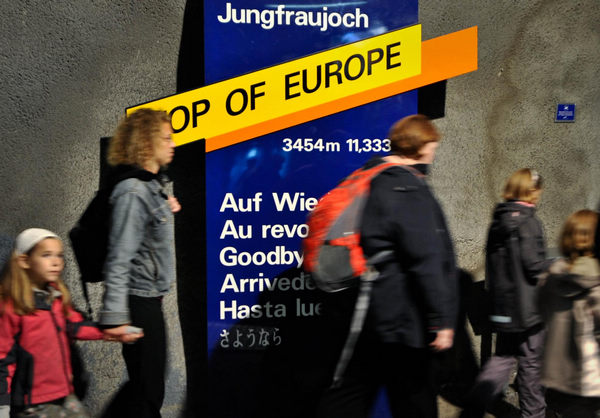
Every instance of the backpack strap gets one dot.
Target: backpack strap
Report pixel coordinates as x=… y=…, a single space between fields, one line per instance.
x=363 y=300
x=360 y=313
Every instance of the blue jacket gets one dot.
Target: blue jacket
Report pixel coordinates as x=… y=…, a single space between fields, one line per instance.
x=141 y=255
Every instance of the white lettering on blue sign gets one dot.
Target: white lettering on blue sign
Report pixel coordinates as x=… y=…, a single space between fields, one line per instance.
x=281 y=15
x=565 y=112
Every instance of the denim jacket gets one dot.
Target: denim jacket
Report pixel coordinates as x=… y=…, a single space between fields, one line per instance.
x=141 y=256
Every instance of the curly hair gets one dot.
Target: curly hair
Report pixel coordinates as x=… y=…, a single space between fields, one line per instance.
x=133 y=141
x=408 y=135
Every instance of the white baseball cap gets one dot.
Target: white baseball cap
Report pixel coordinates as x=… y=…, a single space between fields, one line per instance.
x=28 y=239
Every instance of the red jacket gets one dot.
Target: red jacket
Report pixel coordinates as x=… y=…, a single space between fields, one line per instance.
x=35 y=365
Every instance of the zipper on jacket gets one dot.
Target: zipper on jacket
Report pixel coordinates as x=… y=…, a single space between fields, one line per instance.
x=62 y=349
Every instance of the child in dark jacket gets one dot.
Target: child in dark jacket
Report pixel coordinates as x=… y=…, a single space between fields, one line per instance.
x=515 y=259
x=37 y=322
x=570 y=305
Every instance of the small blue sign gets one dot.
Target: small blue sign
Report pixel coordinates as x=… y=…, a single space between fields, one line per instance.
x=565 y=112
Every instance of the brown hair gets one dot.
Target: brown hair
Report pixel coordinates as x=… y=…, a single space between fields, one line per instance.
x=521 y=185
x=582 y=223
x=134 y=139
x=16 y=288
x=408 y=135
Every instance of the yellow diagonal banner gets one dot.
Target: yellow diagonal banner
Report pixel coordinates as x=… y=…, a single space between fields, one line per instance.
x=282 y=91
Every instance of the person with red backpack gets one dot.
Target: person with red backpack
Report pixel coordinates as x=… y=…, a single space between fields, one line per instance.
x=413 y=301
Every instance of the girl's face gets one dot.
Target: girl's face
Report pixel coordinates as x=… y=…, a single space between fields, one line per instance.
x=583 y=238
x=536 y=195
x=45 y=262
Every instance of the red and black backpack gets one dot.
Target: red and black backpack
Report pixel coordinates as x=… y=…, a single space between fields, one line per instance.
x=332 y=252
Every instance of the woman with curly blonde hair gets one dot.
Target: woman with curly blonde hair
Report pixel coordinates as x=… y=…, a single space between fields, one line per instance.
x=140 y=263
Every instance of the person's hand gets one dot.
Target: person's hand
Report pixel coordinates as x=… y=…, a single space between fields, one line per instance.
x=443 y=340
x=122 y=334
x=174 y=204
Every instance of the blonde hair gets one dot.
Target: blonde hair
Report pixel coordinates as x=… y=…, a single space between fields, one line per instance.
x=581 y=222
x=134 y=140
x=408 y=135
x=521 y=185
x=16 y=288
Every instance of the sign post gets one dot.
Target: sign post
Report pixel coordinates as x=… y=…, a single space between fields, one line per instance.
x=261 y=305
x=297 y=97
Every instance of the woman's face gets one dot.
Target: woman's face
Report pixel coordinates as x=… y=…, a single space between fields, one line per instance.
x=164 y=147
x=428 y=152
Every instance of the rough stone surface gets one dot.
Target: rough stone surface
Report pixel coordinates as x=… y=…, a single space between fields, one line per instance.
x=69 y=69
x=532 y=56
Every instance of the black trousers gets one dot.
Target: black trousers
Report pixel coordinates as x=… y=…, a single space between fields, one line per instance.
x=143 y=394
x=403 y=371
x=573 y=406
x=524 y=349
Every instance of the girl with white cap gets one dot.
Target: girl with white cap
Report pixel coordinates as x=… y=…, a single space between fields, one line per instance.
x=37 y=322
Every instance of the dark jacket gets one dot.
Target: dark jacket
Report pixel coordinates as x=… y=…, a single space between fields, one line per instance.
x=570 y=305
x=417 y=291
x=515 y=257
x=35 y=364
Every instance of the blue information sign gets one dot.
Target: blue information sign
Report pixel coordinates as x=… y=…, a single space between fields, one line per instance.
x=260 y=191
x=565 y=112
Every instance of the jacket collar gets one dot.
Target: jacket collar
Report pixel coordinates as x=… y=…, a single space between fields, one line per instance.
x=123 y=171
x=44 y=297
